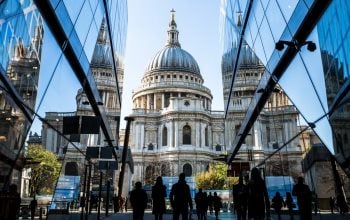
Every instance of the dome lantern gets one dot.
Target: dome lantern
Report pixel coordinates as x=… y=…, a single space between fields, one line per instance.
x=172 y=56
x=173 y=33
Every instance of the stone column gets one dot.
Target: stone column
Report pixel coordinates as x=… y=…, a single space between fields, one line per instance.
x=197 y=137
x=176 y=132
x=142 y=136
x=148 y=101
x=154 y=101
x=163 y=100
x=170 y=134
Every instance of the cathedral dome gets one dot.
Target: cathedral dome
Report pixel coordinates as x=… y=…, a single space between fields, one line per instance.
x=247 y=58
x=102 y=55
x=172 y=57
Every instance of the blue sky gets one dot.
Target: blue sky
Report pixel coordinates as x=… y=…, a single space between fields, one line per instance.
x=198 y=25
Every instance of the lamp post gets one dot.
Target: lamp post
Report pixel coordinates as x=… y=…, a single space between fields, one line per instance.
x=143 y=166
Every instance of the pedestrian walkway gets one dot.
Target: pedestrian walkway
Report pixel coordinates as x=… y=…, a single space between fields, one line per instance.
x=231 y=216
x=222 y=216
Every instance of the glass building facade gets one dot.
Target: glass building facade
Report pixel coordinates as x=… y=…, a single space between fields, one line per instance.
x=316 y=80
x=60 y=61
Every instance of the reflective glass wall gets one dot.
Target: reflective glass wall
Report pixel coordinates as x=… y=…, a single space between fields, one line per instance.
x=314 y=79
x=62 y=70
x=334 y=41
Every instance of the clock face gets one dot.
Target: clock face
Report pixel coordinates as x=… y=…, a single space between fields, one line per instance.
x=187 y=103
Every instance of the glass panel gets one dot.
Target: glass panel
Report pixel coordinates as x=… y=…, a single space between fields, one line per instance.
x=333 y=32
x=93 y=4
x=297 y=16
x=99 y=14
x=265 y=3
x=312 y=61
x=51 y=52
x=304 y=98
x=267 y=39
x=83 y=22
x=252 y=26
x=258 y=13
x=259 y=50
x=63 y=16
x=275 y=20
x=324 y=132
x=287 y=7
x=73 y=9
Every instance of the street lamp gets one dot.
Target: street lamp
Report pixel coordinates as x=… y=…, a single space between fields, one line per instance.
x=143 y=166
x=311 y=46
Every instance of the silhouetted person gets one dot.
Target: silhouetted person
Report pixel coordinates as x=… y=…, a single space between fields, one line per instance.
x=304 y=199
x=180 y=198
x=121 y=203
x=12 y=203
x=33 y=204
x=217 y=205
x=205 y=206
x=240 y=199
x=278 y=203
x=210 y=203
x=341 y=203
x=290 y=204
x=158 y=197
x=315 y=202
x=93 y=202
x=332 y=204
x=126 y=204
x=138 y=200
x=201 y=202
x=115 y=203
x=258 y=199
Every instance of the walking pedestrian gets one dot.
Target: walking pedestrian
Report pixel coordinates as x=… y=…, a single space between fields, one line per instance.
x=33 y=204
x=115 y=203
x=258 y=200
x=158 y=198
x=240 y=199
x=331 y=204
x=11 y=204
x=138 y=200
x=205 y=206
x=304 y=199
x=200 y=200
x=210 y=203
x=217 y=205
x=277 y=204
x=180 y=198
x=290 y=205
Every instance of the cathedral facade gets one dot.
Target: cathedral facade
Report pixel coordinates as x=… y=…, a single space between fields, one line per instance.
x=175 y=130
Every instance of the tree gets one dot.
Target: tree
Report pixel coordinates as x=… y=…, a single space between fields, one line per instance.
x=215 y=178
x=44 y=171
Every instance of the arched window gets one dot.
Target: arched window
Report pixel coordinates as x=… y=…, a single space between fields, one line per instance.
x=186 y=135
x=187 y=169
x=206 y=139
x=165 y=170
x=71 y=169
x=165 y=136
x=148 y=175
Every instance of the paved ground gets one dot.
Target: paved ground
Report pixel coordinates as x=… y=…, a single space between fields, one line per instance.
x=222 y=216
